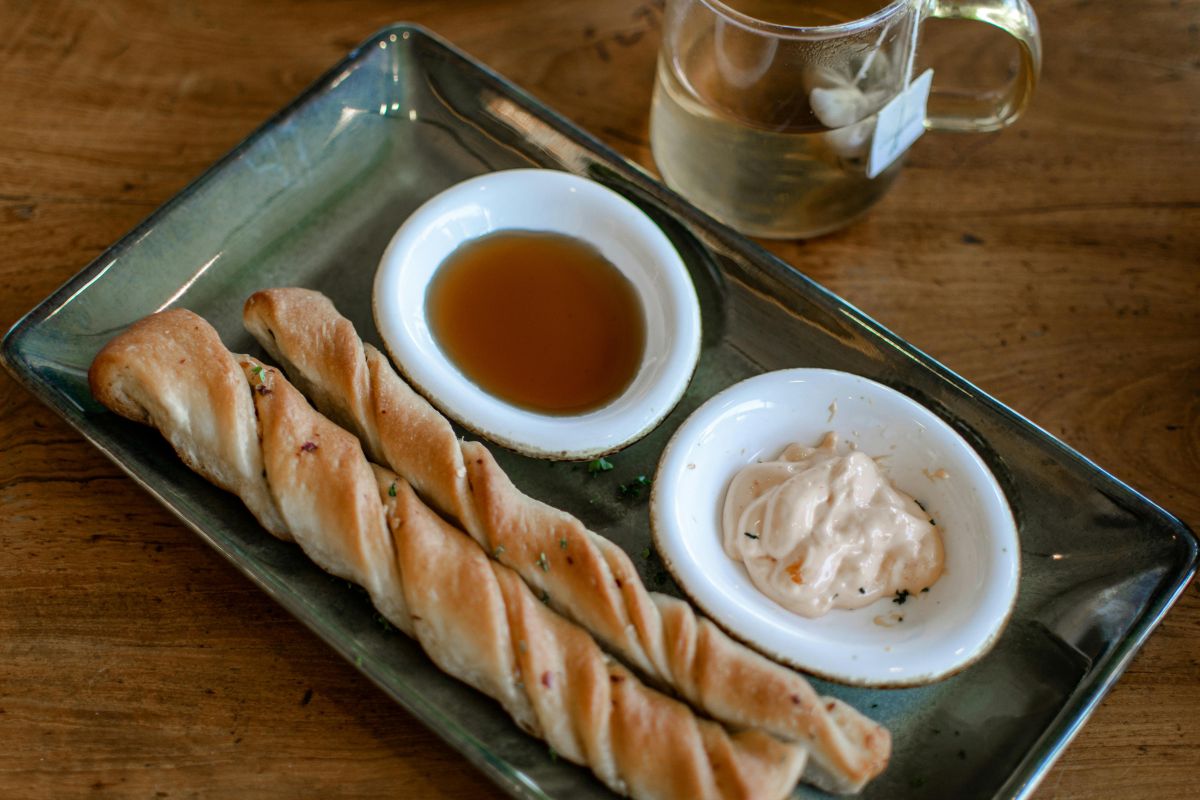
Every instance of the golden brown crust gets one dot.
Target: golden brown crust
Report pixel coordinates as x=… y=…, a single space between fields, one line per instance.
x=352 y=381
x=161 y=368
x=587 y=578
x=324 y=489
x=588 y=707
x=475 y=618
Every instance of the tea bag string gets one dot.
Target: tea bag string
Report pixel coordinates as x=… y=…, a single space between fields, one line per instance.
x=870 y=59
x=913 y=35
x=910 y=62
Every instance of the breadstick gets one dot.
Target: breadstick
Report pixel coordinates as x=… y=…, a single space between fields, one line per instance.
x=475 y=618
x=222 y=443
x=588 y=578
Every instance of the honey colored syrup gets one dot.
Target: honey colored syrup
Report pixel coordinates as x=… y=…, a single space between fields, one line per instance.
x=539 y=320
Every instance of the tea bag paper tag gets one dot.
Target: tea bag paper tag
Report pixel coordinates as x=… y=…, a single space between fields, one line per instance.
x=900 y=123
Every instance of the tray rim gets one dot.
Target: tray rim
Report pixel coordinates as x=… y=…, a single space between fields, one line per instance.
x=1045 y=750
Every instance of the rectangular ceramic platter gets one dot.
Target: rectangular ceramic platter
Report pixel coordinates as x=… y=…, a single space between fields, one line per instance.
x=312 y=198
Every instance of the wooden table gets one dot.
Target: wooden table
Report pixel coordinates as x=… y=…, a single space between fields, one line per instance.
x=1057 y=265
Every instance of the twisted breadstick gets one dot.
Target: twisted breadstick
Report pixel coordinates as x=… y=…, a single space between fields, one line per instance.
x=475 y=618
x=588 y=578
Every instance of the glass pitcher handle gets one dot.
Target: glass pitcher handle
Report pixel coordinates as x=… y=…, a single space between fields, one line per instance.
x=975 y=113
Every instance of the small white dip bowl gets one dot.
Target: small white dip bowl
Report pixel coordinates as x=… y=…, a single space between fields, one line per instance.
x=933 y=634
x=555 y=202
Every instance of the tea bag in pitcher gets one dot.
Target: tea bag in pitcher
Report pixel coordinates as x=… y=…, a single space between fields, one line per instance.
x=845 y=99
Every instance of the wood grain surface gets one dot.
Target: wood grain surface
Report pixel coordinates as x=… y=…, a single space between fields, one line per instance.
x=1056 y=264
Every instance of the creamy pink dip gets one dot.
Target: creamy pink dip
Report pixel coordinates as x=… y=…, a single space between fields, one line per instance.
x=818 y=529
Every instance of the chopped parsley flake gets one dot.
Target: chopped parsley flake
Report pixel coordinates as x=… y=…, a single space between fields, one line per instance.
x=497 y=550
x=392 y=490
x=543 y=562
x=634 y=488
x=645 y=552
x=553 y=755
x=563 y=543
x=599 y=465
x=258 y=372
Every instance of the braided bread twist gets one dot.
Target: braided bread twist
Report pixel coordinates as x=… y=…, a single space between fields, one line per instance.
x=244 y=427
x=588 y=578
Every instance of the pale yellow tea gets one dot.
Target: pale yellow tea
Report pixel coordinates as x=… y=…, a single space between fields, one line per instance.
x=772 y=134
x=541 y=320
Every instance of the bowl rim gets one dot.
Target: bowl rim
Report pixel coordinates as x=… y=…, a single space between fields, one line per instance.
x=672 y=462
x=670 y=360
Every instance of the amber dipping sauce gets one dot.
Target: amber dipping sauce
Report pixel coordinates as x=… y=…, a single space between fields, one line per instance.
x=540 y=320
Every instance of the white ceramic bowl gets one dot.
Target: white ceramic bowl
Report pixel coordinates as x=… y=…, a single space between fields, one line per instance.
x=549 y=201
x=944 y=630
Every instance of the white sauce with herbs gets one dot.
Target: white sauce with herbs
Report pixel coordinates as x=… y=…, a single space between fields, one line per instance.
x=817 y=529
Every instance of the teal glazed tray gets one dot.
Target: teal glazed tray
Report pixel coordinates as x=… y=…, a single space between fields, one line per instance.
x=312 y=198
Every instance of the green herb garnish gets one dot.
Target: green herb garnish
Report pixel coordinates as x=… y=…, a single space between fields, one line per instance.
x=392 y=490
x=599 y=465
x=563 y=543
x=634 y=488
x=497 y=550
x=543 y=562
